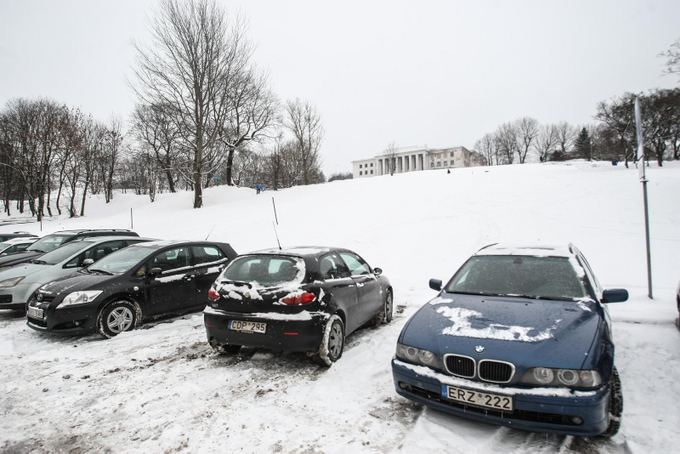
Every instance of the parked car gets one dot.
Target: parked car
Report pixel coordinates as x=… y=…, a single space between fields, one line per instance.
x=9 y=236
x=16 y=245
x=519 y=337
x=119 y=292
x=52 y=241
x=18 y=283
x=304 y=299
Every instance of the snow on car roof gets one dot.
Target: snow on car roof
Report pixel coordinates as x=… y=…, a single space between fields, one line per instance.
x=21 y=240
x=537 y=250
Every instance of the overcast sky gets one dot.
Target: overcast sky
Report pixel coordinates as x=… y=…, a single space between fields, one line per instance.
x=416 y=73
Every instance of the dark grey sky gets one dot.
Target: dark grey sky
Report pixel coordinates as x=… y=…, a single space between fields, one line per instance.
x=433 y=73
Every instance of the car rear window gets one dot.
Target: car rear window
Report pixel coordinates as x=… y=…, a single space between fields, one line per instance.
x=265 y=270
x=48 y=243
x=514 y=275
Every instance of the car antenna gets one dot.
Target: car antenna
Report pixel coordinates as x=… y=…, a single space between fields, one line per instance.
x=211 y=230
x=277 y=235
x=275 y=222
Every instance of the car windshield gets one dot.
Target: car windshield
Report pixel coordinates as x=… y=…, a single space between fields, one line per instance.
x=513 y=275
x=265 y=270
x=122 y=260
x=4 y=246
x=48 y=243
x=62 y=253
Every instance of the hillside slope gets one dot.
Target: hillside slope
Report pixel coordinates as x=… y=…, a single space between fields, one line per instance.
x=162 y=389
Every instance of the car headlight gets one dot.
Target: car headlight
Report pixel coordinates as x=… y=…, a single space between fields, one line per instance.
x=572 y=378
x=9 y=283
x=79 y=298
x=417 y=356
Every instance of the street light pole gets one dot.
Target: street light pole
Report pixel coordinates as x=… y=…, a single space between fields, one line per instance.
x=643 y=180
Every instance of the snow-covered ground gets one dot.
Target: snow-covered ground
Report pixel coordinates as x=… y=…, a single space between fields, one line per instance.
x=160 y=388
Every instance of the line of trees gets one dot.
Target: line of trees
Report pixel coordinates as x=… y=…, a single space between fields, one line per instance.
x=50 y=152
x=204 y=116
x=611 y=137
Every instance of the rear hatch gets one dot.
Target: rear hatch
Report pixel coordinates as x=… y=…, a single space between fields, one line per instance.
x=264 y=283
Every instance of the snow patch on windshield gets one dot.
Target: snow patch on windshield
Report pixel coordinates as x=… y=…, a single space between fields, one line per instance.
x=463 y=320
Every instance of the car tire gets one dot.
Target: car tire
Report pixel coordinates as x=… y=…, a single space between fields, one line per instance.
x=116 y=317
x=332 y=343
x=615 y=405
x=223 y=349
x=387 y=312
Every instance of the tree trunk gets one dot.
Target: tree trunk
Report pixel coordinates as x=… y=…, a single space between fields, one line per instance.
x=198 y=188
x=82 y=203
x=230 y=163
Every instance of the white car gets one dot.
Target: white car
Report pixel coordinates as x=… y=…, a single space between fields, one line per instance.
x=14 y=245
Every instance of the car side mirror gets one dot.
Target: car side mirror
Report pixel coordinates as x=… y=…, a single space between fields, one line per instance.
x=153 y=272
x=615 y=295
x=87 y=262
x=436 y=284
x=377 y=271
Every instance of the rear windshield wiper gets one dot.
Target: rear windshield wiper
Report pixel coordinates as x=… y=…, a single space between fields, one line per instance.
x=229 y=281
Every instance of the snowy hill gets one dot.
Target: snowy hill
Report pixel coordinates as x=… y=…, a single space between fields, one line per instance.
x=162 y=389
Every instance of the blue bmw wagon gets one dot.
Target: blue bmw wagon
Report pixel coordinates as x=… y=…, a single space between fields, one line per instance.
x=520 y=337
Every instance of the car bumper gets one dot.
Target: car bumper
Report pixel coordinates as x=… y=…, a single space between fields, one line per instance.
x=583 y=414
x=67 y=321
x=11 y=299
x=296 y=334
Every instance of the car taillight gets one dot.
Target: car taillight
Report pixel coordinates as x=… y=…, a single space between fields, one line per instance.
x=297 y=299
x=213 y=295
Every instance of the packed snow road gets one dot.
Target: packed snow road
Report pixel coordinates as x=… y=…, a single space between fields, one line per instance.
x=161 y=388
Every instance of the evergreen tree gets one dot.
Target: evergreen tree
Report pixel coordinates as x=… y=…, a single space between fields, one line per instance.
x=583 y=145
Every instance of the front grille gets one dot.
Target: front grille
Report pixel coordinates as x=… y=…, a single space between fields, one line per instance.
x=463 y=366
x=495 y=371
x=5 y=299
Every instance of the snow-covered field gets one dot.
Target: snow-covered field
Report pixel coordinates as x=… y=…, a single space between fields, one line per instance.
x=161 y=389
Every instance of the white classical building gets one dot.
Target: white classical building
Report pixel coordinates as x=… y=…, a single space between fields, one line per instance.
x=412 y=159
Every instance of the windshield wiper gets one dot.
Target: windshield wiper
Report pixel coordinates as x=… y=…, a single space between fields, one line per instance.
x=39 y=262
x=35 y=250
x=247 y=284
x=97 y=270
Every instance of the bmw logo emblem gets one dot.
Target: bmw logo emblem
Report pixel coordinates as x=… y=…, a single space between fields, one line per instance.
x=479 y=348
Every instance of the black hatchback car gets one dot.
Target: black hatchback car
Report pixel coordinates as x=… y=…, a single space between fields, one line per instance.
x=141 y=282
x=50 y=242
x=304 y=299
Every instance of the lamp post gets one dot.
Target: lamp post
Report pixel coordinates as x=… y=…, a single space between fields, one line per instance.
x=643 y=180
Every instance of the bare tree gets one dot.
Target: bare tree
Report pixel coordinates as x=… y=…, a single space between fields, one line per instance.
x=546 y=141
x=253 y=110
x=527 y=131
x=195 y=52
x=672 y=58
x=566 y=134
x=304 y=123
x=391 y=154
x=487 y=147
x=507 y=142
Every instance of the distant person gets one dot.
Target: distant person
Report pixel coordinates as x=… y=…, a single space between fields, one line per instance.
x=258 y=187
x=448 y=170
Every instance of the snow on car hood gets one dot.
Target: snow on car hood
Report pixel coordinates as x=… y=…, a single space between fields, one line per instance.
x=513 y=329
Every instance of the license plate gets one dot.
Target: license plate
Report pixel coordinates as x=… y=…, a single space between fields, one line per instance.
x=484 y=400
x=35 y=312
x=248 y=327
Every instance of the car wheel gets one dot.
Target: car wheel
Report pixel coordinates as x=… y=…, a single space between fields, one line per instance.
x=223 y=349
x=116 y=317
x=333 y=342
x=615 y=405
x=385 y=315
